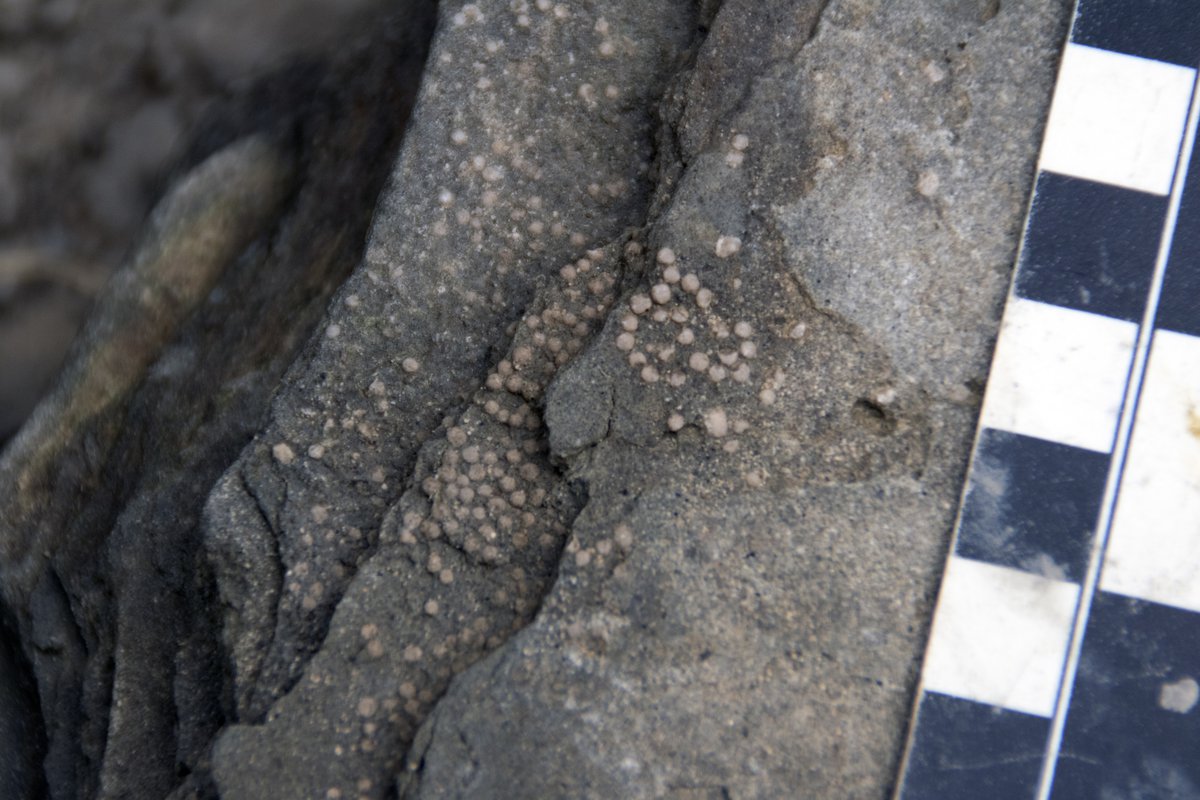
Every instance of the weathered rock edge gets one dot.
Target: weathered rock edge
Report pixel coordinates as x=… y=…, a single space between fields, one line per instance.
x=104 y=577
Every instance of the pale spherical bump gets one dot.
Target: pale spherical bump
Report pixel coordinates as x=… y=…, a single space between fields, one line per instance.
x=665 y=256
x=629 y=322
x=717 y=373
x=606 y=48
x=675 y=422
x=728 y=358
x=748 y=349
x=410 y=365
x=637 y=359
x=457 y=436
x=740 y=142
x=625 y=341
x=660 y=315
x=928 y=183
x=798 y=330
x=458 y=136
x=686 y=336
x=716 y=422
x=704 y=298
x=690 y=283
x=734 y=158
x=671 y=274
x=640 y=303
x=283 y=453
x=623 y=536
x=743 y=330
x=660 y=293
x=522 y=357
x=698 y=362
x=767 y=397
x=741 y=374
x=649 y=374
x=727 y=246
x=316 y=452
x=367 y=706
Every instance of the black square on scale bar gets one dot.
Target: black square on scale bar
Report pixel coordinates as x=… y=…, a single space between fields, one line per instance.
x=1134 y=720
x=1090 y=246
x=1179 y=306
x=962 y=749
x=1164 y=30
x=1031 y=504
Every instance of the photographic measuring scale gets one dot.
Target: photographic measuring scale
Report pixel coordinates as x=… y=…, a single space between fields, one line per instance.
x=1064 y=658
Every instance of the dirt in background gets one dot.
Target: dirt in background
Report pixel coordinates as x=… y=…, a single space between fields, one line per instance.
x=98 y=102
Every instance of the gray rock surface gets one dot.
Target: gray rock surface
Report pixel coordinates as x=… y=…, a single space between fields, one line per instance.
x=101 y=562
x=617 y=458
x=742 y=604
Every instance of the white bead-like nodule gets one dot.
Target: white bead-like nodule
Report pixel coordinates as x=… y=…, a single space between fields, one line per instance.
x=727 y=246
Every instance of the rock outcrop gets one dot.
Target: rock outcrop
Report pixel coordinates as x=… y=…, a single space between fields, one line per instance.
x=617 y=457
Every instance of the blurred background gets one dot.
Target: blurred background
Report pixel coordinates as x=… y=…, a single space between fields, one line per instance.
x=98 y=102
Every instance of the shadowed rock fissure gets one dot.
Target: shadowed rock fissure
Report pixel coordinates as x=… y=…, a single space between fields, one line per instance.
x=106 y=483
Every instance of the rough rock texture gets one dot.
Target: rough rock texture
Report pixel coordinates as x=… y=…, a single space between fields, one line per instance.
x=489 y=195
x=102 y=569
x=757 y=629
x=621 y=465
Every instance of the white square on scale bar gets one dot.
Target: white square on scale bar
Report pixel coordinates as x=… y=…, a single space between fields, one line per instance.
x=1059 y=374
x=1154 y=546
x=1117 y=119
x=1000 y=636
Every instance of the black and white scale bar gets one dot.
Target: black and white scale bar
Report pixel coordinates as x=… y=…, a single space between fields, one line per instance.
x=1064 y=657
